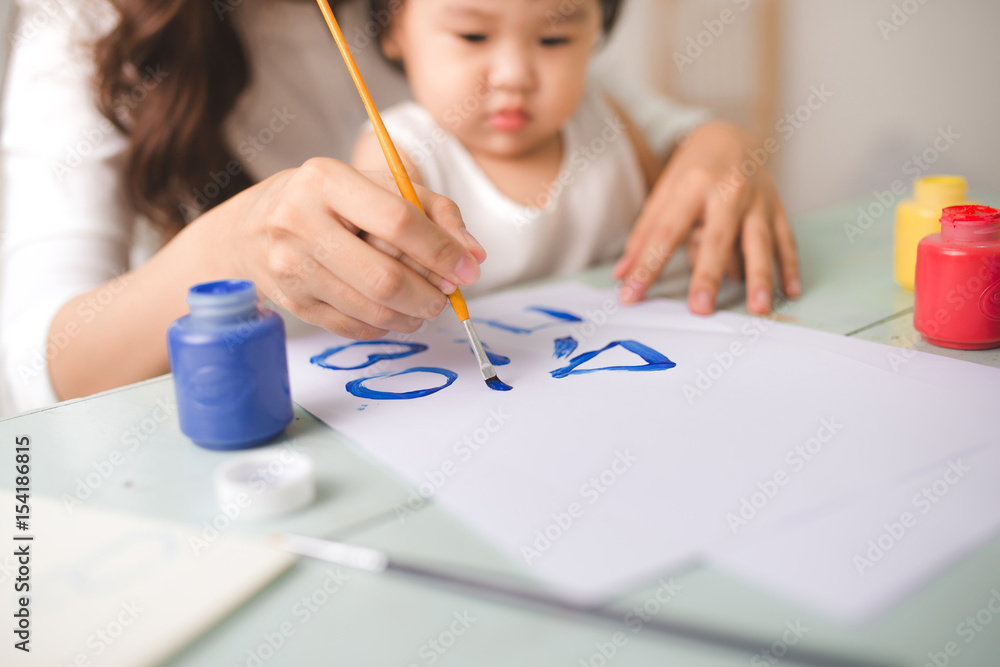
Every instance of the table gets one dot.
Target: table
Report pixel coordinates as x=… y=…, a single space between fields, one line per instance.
x=394 y=620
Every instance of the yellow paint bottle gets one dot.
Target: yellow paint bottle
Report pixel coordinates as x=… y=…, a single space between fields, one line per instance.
x=920 y=216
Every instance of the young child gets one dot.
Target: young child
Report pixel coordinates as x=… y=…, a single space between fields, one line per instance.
x=549 y=174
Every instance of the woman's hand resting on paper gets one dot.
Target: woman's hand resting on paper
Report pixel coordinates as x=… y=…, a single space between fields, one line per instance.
x=734 y=220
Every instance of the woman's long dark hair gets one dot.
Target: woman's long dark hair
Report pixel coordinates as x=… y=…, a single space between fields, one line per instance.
x=167 y=76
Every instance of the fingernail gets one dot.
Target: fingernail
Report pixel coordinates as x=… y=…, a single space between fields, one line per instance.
x=471 y=240
x=630 y=292
x=467 y=270
x=794 y=287
x=702 y=302
x=447 y=286
x=760 y=298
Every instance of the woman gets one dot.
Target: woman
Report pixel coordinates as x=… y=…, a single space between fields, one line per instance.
x=184 y=109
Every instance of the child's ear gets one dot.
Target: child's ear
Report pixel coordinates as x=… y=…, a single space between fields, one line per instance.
x=600 y=41
x=390 y=44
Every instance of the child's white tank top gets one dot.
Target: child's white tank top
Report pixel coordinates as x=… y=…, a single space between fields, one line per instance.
x=582 y=219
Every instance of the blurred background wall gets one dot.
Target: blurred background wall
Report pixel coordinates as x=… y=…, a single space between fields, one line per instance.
x=896 y=76
x=6 y=14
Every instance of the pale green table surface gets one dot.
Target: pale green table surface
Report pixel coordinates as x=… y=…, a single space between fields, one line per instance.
x=391 y=619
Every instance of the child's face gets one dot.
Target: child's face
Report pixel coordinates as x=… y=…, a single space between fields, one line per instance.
x=501 y=75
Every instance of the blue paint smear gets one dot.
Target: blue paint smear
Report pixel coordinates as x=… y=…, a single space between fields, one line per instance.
x=495 y=359
x=497 y=324
x=654 y=360
x=565 y=347
x=496 y=384
x=321 y=358
x=558 y=314
x=358 y=388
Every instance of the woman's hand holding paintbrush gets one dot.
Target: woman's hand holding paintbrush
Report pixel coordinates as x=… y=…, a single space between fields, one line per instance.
x=443 y=211
x=302 y=240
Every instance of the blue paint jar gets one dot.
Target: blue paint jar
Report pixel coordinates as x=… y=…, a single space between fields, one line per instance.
x=230 y=368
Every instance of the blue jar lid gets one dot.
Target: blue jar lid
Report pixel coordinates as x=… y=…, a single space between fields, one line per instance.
x=222 y=298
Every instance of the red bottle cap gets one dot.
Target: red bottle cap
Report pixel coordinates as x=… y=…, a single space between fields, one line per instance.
x=977 y=224
x=969 y=213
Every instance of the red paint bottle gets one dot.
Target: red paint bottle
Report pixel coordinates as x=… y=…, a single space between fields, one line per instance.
x=957 y=286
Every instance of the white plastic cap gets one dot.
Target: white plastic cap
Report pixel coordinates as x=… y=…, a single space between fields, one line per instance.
x=266 y=483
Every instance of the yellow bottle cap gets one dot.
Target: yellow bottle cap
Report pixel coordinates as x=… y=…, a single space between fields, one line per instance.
x=952 y=188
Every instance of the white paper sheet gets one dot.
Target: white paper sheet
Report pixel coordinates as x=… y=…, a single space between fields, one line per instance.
x=855 y=561
x=677 y=465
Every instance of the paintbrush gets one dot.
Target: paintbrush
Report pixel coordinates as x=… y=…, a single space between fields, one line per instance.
x=376 y=561
x=406 y=189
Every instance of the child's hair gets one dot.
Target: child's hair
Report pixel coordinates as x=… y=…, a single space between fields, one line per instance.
x=610 y=10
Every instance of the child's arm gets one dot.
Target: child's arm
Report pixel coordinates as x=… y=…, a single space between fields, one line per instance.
x=651 y=165
x=368 y=156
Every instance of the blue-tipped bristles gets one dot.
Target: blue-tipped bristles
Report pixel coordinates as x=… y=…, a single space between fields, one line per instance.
x=496 y=384
x=485 y=365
